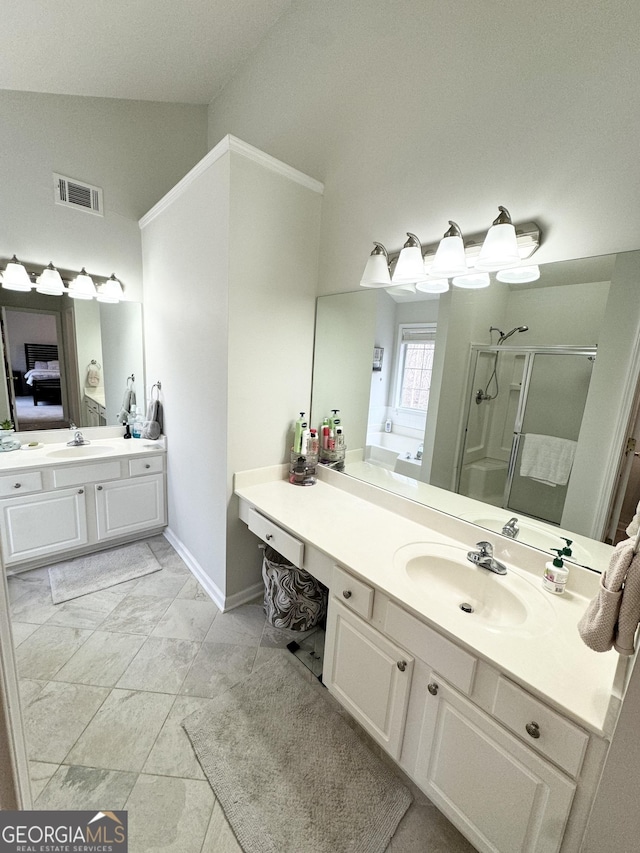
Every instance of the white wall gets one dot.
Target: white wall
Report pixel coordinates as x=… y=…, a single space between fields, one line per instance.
x=134 y=150
x=418 y=111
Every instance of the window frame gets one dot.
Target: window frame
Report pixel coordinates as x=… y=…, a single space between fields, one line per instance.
x=431 y=329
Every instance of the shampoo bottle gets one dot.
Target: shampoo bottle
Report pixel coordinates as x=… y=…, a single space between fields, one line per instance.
x=555 y=574
x=300 y=425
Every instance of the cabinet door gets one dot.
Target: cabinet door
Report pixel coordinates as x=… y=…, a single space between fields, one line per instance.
x=369 y=675
x=129 y=506
x=499 y=793
x=37 y=525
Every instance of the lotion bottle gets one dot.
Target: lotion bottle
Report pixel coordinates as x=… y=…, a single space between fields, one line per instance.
x=301 y=425
x=555 y=574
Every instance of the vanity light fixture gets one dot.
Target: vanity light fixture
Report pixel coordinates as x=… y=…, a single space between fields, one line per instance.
x=435 y=285
x=519 y=275
x=376 y=272
x=49 y=282
x=472 y=280
x=500 y=248
x=82 y=287
x=15 y=276
x=111 y=290
x=410 y=266
x=450 y=258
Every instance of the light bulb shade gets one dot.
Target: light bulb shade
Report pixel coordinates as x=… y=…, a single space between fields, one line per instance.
x=410 y=266
x=450 y=257
x=111 y=290
x=436 y=285
x=82 y=286
x=49 y=282
x=16 y=277
x=376 y=271
x=409 y=287
x=519 y=275
x=472 y=281
x=500 y=247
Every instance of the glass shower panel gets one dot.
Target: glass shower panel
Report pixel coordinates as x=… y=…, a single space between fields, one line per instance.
x=556 y=394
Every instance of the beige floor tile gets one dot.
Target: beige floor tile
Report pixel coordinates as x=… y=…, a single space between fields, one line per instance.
x=220 y=837
x=217 y=667
x=102 y=659
x=34 y=605
x=160 y=584
x=424 y=828
x=88 y=611
x=186 y=619
x=160 y=666
x=74 y=787
x=39 y=774
x=21 y=630
x=136 y=614
x=121 y=734
x=57 y=716
x=47 y=650
x=193 y=589
x=168 y=814
x=172 y=753
x=29 y=689
x=242 y=626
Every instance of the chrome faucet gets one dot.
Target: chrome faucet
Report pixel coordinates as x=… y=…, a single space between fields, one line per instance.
x=78 y=440
x=485 y=559
x=420 y=451
x=511 y=528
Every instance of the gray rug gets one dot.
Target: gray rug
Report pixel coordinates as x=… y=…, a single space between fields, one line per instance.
x=289 y=772
x=92 y=572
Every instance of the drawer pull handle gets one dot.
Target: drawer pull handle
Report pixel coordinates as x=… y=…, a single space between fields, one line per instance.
x=346 y=593
x=147 y=465
x=17 y=485
x=269 y=537
x=433 y=688
x=99 y=488
x=533 y=729
x=402 y=665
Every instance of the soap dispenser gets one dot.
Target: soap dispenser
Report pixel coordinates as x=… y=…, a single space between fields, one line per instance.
x=556 y=573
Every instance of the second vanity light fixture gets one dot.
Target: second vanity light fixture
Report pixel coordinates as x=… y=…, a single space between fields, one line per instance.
x=50 y=283
x=428 y=269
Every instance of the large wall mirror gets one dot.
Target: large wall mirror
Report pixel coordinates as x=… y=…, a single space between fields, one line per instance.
x=528 y=390
x=68 y=360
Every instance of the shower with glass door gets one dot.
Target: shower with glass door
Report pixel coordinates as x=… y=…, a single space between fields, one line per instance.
x=522 y=420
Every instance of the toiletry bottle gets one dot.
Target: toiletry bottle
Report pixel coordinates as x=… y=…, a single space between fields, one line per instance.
x=331 y=441
x=314 y=442
x=138 y=423
x=304 y=441
x=566 y=551
x=387 y=425
x=325 y=434
x=334 y=420
x=301 y=425
x=339 y=439
x=555 y=574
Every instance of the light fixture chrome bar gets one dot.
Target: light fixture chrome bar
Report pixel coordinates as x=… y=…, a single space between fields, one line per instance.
x=67 y=275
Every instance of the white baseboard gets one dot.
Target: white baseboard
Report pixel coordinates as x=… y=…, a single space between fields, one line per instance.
x=214 y=592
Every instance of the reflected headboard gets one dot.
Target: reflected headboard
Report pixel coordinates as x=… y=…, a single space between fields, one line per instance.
x=39 y=352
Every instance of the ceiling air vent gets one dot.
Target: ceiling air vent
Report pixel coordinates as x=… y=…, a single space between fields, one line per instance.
x=77 y=194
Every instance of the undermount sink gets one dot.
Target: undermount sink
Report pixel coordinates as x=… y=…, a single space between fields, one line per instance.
x=501 y=603
x=80 y=450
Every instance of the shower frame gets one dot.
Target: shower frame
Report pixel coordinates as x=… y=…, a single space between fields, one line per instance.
x=529 y=352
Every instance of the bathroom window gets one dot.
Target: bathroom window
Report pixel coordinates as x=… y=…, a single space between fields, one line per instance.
x=416 y=345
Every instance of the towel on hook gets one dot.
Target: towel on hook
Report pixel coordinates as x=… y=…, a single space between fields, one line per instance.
x=547 y=458
x=128 y=401
x=93 y=377
x=152 y=427
x=611 y=619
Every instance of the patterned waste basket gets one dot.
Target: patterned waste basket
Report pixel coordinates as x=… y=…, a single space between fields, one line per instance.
x=293 y=598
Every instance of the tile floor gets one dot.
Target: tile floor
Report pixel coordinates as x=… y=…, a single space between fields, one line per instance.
x=106 y=680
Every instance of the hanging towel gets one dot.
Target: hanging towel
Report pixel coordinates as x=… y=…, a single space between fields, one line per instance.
x=152 y=427
x=93 y=377
x=634 y=524
x=611 y=619
x=128 y=400
x=547 y=458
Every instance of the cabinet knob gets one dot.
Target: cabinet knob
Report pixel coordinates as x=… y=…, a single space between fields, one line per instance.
x=147 y=465
x=433 y=688
x=346 y=593
x=81 y=491
x=99 y=488
x=402 y=665
x=17 y=485
x=269 y=537
x=533 y=729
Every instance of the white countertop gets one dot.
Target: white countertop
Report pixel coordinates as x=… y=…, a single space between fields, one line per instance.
x=361 y=528
x=41 y=456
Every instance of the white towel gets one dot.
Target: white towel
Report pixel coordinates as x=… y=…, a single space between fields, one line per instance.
x=547 y=458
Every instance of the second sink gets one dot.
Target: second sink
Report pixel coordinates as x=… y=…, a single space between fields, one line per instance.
x=77 y=452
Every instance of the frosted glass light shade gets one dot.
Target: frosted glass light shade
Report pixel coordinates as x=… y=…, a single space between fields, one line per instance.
x=82 y=287
x=111 y=290
x=450 y=257
x=376 y=271
x=472 y=281
x=49 y=282
x=436 y=285
x=500 y=248
x=16 y=277
x=519 y=275
x=410 y=265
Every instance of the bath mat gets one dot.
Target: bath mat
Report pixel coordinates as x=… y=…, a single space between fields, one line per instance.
x=92 y=572
x=290 y=773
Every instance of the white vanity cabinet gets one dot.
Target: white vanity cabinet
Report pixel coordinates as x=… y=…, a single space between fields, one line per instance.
x=66 y=510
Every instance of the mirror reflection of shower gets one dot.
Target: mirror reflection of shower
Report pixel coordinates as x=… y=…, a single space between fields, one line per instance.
x=484 y=395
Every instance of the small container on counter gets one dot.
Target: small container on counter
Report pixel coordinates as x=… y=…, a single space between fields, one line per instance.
x=302 y=468
x=556 y=574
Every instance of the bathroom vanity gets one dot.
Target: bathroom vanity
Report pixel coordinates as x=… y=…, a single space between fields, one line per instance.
x=496 y=709
x=59 y=501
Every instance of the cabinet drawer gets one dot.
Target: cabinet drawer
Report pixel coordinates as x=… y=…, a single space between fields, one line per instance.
x=290 y=547
x=452 y=662
x=75 y=475
x=20 y=483
x=354 y=593
x=145 y=465
x=561 y=741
